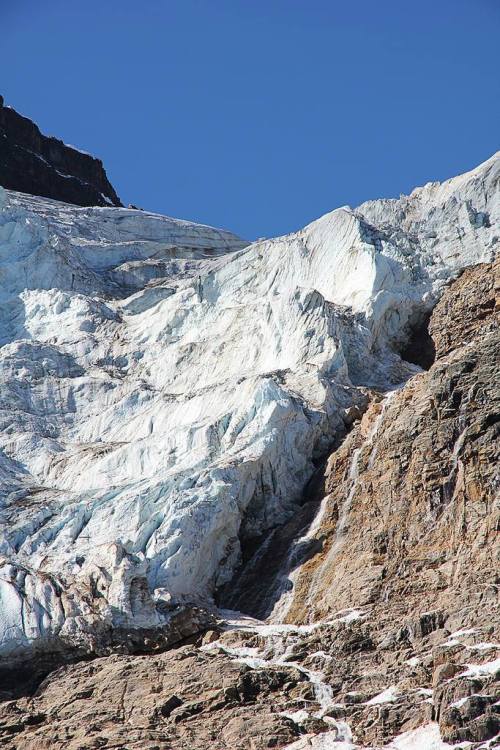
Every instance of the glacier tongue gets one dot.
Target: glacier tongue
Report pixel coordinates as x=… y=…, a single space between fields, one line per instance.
x=165 y=388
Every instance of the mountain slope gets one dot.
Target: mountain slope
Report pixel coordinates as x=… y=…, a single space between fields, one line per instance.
x=412 y=659
x=167 y=393
x=168 y=398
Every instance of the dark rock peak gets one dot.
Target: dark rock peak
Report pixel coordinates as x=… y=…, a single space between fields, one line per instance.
x=31 y=162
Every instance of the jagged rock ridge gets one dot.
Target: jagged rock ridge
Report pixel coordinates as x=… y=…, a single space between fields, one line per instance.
x=31 y=162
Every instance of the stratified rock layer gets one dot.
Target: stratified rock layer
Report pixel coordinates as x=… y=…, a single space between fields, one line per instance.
x=31 y=162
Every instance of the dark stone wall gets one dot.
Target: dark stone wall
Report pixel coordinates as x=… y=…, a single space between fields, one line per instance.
x=31 y=162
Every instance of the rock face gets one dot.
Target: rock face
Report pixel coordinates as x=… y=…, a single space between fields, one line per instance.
x=407 y=533
x=184 y=698
x=157 y=458
x=411 y=512
x=31 y=162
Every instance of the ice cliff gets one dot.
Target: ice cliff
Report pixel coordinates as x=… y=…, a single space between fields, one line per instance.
x=166 y=388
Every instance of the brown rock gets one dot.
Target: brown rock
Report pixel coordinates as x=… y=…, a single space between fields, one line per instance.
x=183 y=698
x=445 y=672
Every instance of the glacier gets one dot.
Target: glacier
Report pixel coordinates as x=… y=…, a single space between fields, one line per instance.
x=168 y=388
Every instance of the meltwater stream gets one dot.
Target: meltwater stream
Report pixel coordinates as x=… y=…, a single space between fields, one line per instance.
x=280 y=640
x=354 y=467
x=290 y=570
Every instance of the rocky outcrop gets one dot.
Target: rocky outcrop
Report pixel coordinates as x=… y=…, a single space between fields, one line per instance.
x=252 y=686
x=31 y=162
x=184 y=698
x=108 y=609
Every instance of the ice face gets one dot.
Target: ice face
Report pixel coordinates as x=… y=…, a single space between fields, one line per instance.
x=165 y=387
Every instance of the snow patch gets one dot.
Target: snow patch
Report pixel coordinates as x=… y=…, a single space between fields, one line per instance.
x=478 y=670
x=423 y=738
x=390 y=695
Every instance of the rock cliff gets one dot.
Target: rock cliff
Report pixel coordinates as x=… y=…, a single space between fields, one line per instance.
x=406 y=532
x=31 y=162
x=194 y=427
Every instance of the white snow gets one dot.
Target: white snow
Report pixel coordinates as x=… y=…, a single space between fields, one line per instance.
x=238 y=621
x=423 y=738
x=424 y=691
x=490 y=744
x=463 y=701
x=478 y=670
x=75 y=148
x=351 y=616
x=414 y=661
x=298 y=717
x=390 y=695
x=165 y=388
x=332 y=740
x=462 y=633
x=320 y=655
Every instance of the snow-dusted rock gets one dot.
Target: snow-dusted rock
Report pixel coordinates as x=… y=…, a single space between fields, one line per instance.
x=165 y=388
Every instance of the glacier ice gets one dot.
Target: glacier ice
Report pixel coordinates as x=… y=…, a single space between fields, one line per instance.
x=166 y=387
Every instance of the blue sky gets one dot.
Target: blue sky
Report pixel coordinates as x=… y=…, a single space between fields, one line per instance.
x=260 y=116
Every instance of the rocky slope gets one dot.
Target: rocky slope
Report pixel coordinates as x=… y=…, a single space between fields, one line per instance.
x=157 y=458
x=41 y=165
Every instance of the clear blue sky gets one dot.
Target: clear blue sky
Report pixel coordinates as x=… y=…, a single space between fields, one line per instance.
x=260 y=115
